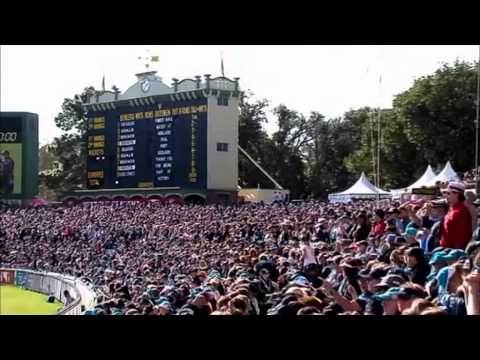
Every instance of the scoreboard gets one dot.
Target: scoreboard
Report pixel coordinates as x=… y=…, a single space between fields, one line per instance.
x=149 y=146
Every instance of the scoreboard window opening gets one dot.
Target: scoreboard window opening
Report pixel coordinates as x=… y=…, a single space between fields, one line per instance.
x=222 y=100
x=223 y=147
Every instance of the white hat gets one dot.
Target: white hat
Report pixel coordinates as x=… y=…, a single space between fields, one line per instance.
x=456 y=186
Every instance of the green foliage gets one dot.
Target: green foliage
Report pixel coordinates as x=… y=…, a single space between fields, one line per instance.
x=254 y=140
x=430 y=123
x=439 y=113
x=65 y=166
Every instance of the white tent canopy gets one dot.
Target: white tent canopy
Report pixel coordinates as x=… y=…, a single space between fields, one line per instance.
x=424 y=180
x=362 y=189
x=446 y=175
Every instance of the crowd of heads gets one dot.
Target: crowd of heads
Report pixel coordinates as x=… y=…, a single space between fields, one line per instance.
x=469 y=176
x=311 y=258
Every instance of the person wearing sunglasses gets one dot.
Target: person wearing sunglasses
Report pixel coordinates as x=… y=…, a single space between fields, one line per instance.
x=457 y=225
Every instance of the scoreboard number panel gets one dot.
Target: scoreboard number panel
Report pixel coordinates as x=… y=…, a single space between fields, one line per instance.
x=162 y=145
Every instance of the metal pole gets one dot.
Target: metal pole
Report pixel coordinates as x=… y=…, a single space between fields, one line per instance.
x=378 y=147
x=374 y=163
x=477 y=125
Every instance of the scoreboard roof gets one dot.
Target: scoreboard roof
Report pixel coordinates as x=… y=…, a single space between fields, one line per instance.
x=151 y=88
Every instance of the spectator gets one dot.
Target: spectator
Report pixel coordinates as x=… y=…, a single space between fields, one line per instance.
x=418 y=268
x=469 y=203
x=151 y=259
x=403 y=218
x=457 y=224
x=379 y=226
x=436 y=212
x=361 y=229
x=68 y=298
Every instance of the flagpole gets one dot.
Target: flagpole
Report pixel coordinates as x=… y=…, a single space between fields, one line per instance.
x=378 y=132
x=374 y=162
x=221 y=64
x=378 y=146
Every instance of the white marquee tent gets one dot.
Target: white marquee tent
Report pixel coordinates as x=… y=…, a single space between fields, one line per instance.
x=362 y=189
x=446 y=175
x=424 y=180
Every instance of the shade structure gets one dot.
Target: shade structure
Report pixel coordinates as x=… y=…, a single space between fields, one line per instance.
x=446 y=175
x=362 y=189
x=424 y=180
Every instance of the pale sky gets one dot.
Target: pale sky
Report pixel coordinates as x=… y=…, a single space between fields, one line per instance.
x=327 y=79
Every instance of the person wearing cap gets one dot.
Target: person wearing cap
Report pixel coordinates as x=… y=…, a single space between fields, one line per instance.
x=397 y=299
x=436 y=211
x=437 y=262
x=410 y=235
x=457 y=225
x=389 y=300
x=389 y=281
x=444 y=275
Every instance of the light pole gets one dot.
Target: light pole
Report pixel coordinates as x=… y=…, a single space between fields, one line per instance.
x=378 y=145
x=477 y=125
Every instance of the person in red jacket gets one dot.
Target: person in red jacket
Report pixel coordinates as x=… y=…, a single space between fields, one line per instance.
x=379 y=226
x=457 y=226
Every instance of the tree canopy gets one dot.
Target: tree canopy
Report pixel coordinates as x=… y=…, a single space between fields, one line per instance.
x=432 y=122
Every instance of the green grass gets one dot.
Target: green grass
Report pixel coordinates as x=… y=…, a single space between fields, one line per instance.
x=17 y=301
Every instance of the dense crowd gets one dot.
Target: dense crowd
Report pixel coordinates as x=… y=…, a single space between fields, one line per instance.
x=310 y=258
x=469 y=176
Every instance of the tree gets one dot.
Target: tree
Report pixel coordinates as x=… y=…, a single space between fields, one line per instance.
x=69 y=149
x=49 y=168
x=399 y=162
x=438 y=113
x=253 y=139
x=285 y=153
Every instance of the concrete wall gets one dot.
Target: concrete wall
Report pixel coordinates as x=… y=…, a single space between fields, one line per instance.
x=265 y=195
x=222 y=197
x=222 y=167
